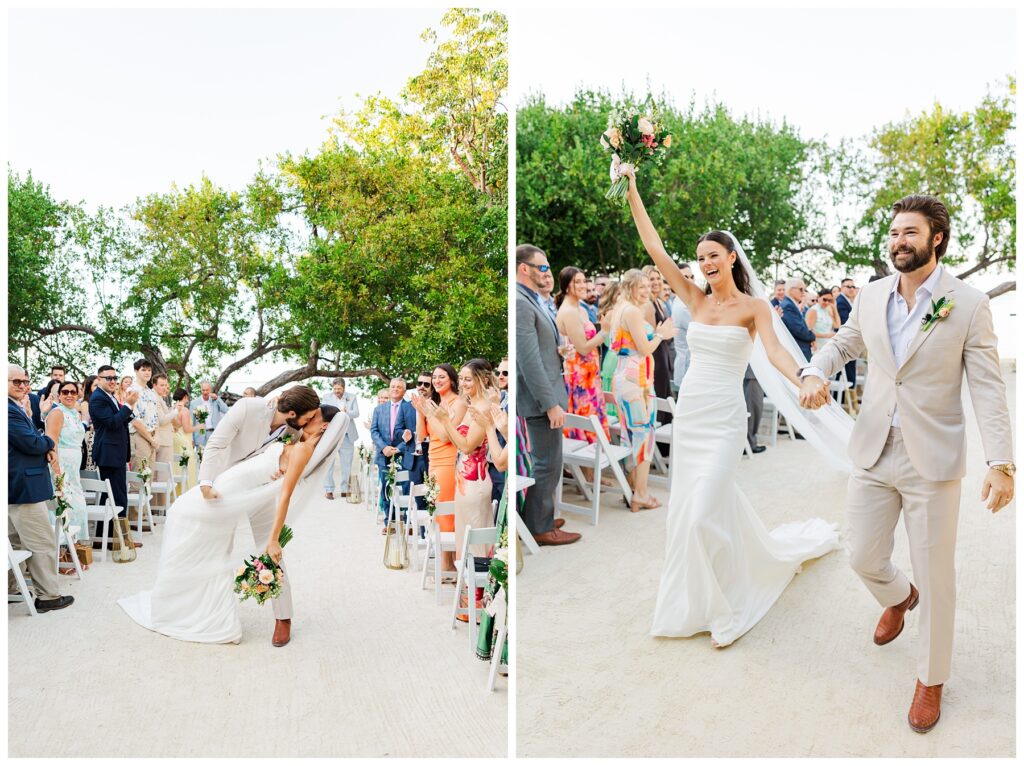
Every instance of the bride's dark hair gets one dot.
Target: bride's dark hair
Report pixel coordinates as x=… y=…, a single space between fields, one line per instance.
x=739 y=274
x=328 y=411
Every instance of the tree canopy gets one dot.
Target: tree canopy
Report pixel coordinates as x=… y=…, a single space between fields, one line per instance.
x=380 y=254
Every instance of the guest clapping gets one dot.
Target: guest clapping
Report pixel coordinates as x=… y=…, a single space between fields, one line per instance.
x=583 y=365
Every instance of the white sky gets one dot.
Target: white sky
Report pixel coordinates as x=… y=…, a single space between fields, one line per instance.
x=108 y=105
x=830 y=72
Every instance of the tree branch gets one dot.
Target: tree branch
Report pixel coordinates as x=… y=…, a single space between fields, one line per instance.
x=1004 y=287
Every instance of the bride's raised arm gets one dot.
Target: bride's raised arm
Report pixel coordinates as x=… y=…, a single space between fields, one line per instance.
x=297 y=462
x=777 y=355
x=681 y=286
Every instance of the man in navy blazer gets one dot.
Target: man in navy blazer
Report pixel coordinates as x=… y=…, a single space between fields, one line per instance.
x=392 y=431
x=111 y=447
x=28 y=489
x=844 y=305
x=793 y=318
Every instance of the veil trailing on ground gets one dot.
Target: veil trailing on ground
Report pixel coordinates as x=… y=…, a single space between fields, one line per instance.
x=827 y=429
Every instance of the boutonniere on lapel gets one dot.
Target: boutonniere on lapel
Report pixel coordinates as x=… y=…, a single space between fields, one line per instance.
x=940 y=310
x=286 y=438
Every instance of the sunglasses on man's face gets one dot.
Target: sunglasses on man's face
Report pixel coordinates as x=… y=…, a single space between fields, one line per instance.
x=543 y=268
x=18 y=381
x=108 y=378
x=422 y=384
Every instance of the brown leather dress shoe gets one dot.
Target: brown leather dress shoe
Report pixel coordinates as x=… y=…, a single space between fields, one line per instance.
x=557 y=537
x=891 y=624
x=282 y=632
x=924 y=710
x=559 y=523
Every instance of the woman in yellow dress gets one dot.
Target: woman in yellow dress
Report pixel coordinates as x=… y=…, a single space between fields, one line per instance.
x=183 y=439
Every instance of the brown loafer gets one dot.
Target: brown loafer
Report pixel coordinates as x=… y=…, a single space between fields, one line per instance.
x=282 y=632
x=925 y=709
x=891 y=624
x=559 y=523
x=557 y=537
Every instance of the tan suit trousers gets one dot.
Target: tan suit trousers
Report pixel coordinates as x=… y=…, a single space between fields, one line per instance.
x=28 y=528
x=930 y=510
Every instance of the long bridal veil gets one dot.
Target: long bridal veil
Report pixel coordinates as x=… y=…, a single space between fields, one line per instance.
x=827 y=429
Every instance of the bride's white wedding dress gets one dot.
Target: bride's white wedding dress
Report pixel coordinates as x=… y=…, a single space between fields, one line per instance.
x=193 y=597
x=723 y=568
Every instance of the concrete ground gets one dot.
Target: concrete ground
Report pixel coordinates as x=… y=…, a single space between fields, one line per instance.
x=373 y=667
x=807 y=680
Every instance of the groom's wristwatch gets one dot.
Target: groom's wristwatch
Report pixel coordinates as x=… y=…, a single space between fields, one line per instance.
x=1008 y=468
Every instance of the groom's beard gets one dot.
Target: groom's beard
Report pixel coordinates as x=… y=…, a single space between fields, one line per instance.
x=913 y=260
x=294 y=423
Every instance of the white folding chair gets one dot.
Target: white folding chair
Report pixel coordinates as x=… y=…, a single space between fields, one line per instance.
x=499 y=606
x=14 y=559
x=398 y=500
x=597 y=456
x=519 y=483
x=138 y=499
x=662 y=435
x=89 y=473
x=162 y=483
x=104 y=512
x=417 y=519
x=66 y=537
x=769 y=429
x=437 y=543
x=613 y=421
x=469 y=577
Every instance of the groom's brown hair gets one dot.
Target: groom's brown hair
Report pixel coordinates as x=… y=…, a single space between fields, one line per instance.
x=298 y=399
x=933 y=210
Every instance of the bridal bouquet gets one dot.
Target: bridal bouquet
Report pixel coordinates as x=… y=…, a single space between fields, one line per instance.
x=259 y=577
x=634 y=138
x=201 y=416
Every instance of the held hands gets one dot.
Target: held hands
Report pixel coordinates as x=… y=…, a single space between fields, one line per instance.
x=813 y=393
x=997 y=488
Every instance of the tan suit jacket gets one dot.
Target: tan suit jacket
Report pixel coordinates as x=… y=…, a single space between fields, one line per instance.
x=242 y=433
x=927 y=387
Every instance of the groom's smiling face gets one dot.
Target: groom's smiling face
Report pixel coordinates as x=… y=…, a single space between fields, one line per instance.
x=911 y=243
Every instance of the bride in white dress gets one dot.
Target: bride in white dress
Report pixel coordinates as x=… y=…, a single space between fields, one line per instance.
x=193 y=597
x=723 y=568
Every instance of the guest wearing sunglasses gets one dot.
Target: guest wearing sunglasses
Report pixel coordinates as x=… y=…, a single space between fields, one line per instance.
x=64 y=425
x=792 y=316
x=111 y=448
x=421 y=457
x=502 y=374
x=28 y=489
x=823 y=318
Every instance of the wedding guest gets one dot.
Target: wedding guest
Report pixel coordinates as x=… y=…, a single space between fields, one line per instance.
x=164 y=436
x=541 y=397
x=443 y=453
x=392 y=434
x=48 y=398
x=753 y=396
x=125 y=386
x=657 y=314
x=83 y=411
x=583 y=365
x=681 y=321
x=111 y=448
x=183 y=429
x=249 y=392
x=347 y=403
x=473 y=481
x=792 y=317
x=844 y=305
x=633 y=342
x=778 y=292
x=609 y=300
x=545 y=290
x=57 y=373
x=502 y=373
x=64 y=426
x=421 y=452
x=28 y=489
x=822 y=318
x=601 y=281
x=142 y=428
x=382 y=398
x=215 y=409
x=587 y=300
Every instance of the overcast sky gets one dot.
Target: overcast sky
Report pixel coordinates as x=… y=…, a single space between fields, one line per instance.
x=829 y=72
x=109 y=105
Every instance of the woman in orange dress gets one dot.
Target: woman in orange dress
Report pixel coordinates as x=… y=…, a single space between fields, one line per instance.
x=443 y=453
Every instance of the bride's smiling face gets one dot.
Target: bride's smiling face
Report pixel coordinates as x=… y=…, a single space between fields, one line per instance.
x=715 y=262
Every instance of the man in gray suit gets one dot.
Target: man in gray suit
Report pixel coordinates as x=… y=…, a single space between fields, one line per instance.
x=348 y=403
x=541 y=399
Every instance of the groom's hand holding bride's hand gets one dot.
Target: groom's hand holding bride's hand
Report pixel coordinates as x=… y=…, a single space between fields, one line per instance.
x=812 y=392
x=997 y=489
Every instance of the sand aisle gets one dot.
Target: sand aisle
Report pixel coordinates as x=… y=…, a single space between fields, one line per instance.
x=807 y=680
x=372 y=669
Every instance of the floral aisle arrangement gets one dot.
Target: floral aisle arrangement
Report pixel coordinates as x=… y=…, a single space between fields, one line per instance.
x=635 y=138
x=259 y=577
x=63 y=506
x=432 y=491
x=365 y=455
x=145 y=476
x=183 y=460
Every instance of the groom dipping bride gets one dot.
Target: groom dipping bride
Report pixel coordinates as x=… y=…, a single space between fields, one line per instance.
x=247 y=472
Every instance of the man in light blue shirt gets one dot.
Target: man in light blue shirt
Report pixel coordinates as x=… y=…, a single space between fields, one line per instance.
x=349 y=404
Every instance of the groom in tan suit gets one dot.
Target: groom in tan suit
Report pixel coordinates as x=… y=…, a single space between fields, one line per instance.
x=921 y=329
x=250 y=426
